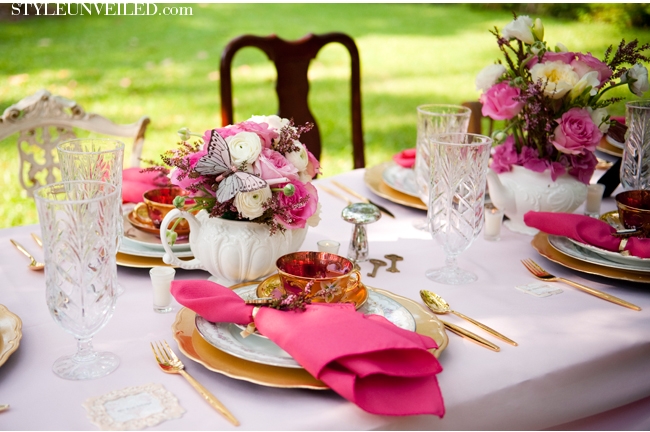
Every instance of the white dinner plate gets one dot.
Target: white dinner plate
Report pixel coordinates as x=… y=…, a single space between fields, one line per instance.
x=130 y=247
x=401 y=179
x=615 y=143
x=227 y=337
x=569 y=247
x=638 y=263
x=149 y=241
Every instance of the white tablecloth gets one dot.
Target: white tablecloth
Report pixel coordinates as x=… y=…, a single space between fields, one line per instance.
x=578 y=356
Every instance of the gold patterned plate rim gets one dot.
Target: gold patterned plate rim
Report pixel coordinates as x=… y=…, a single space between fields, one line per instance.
x=374 y=179
x=541 y=243
x=197 y=349
x=10 y=333
x=134 y=261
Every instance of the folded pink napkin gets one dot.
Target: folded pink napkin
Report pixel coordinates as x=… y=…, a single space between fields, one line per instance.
x=405 y=158
x=587 y=230
x=135 y=183
x=365 y=358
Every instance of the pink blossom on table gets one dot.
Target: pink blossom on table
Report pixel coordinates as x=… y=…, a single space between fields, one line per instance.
x=313 y=165
x=296 y=214
x=272 y=165
x=504 y=156
x=500 y=102
x=582 y=166
x=586 y=63
x=576 y=132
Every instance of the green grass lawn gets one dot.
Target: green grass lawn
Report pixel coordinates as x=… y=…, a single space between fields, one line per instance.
x=166 y=67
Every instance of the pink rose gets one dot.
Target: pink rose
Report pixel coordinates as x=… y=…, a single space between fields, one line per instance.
x=586 y=63
x=261 y=129
x=504 y=156
x=295 y=214
x=576 y=133
x=272 y=165
x=500 y=103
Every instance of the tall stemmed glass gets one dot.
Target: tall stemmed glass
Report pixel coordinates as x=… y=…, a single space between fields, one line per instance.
x=456 y=198
x=434 y=119
x=99 y=159
x=78 y=229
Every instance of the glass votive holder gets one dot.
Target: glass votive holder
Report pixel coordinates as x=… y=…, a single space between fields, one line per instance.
x=329 y=246
x=161 y=279
x=594 y=198
x=492 y=226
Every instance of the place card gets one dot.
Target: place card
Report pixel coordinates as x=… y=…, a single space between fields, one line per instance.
x=539 y=289
x=133 y=408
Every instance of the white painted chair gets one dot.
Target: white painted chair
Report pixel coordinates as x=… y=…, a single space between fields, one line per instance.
x=43 y=120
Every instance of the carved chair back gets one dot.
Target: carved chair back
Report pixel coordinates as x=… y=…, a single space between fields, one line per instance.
x=476 y=117
x=43 y=120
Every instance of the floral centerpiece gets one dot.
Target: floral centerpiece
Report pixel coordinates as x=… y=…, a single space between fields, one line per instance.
x=552 y=99
x=256 y=170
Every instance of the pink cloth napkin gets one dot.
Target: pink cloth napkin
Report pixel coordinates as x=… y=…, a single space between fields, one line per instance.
x=587 y=230
x=405 y=158
x=136 y=183
x=365 y=358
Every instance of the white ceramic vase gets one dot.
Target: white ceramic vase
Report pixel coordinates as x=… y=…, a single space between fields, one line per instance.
x=521 y=190
x=231 y=251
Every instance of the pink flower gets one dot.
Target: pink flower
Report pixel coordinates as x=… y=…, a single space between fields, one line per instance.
x=504 y=156
x=549 y=56
x=272 y=165
x=261 y=129
x=586 y=63
x=557 y=169
x=529 y=158
x=313 y=166
x=576 y=132
x=499 y=102
x=187 y=181
x=296 y=214
x=582 y=166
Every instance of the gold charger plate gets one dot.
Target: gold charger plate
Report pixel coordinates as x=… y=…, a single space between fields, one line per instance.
x=196 y=348
x=374 y=179
x=541 y=244
x=10 y=333
x=605 y=147
x=135 y=261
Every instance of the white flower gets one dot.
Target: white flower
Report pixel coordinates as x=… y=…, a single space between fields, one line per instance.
x=520 y=28
x=274 y=122
x=538 y=29
x=299 y=158
x=588 y=79
x=314 y=219
x=559 y=78
x=245 y=147
x=249 y=204
x=560 y=47
x=637 y=77
x=597 y=116
x=489 y=76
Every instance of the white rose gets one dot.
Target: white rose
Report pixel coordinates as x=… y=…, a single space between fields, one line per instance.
x=298 y=158
x=314 y=219
x=249 y=204
x=559 y=78
x=489 y=76
x=274 y=122
x=637 y=76
x=520 y=28
x=597 y=116
x=588 y=79
x=245 y=147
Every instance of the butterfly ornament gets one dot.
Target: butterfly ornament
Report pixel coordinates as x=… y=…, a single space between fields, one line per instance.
x=231 y=180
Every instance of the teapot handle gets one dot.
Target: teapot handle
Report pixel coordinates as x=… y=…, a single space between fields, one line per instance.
x=169 y=257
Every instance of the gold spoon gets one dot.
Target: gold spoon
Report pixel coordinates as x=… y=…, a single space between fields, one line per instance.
x=34 y=265
x=438 y=305
x=4 y=407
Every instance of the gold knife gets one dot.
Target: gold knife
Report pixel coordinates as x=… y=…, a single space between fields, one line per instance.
x=335 y=194
x=37 y=239
x=470 y=336
x=362 y=198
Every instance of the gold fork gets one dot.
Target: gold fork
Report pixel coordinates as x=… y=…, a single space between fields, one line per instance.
x=542 y=274
x=169 y=363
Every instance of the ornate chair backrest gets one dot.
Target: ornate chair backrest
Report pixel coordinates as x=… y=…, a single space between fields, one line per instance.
x=292 y=59
x=43 y=120
x=476 y=117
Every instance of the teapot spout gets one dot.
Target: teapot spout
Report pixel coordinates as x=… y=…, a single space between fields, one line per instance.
x=502 y=197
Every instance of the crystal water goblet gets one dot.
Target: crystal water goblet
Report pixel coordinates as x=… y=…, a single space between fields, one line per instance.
x=434 y=119
x=456 y=198
x=78 y=230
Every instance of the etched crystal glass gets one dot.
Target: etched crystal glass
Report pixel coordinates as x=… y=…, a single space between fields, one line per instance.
x=78 y=229
x=434 y=119
x=635 y=165
x=456 y=199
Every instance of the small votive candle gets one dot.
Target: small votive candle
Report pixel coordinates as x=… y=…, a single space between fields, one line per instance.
x=161 y=279
x=329 y=246
x=493 y=219
x=594 y=198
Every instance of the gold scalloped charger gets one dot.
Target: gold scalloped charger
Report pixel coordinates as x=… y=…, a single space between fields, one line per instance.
x=607 y=148
x=10 y=333
x=374 y=179
x=199 y=350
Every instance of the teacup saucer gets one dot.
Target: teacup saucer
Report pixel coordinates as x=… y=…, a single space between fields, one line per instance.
x=358 y=297
x=142 y=222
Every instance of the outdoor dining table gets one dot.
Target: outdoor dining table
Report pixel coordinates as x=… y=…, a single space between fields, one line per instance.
x=581 y=362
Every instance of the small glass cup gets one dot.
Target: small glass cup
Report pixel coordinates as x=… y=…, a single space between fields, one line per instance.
x=493 y=219
x=161 y=279
x=329 y=246
x=594 y=198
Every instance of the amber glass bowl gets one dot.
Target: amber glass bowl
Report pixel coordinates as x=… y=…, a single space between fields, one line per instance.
x=634 y=211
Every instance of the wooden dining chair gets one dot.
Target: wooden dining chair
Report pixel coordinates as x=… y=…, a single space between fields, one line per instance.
x=476 y=119
x=292 y=59
x=43 y=120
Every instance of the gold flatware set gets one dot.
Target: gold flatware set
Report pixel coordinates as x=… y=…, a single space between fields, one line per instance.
x=34 y=264
x=354 y=194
